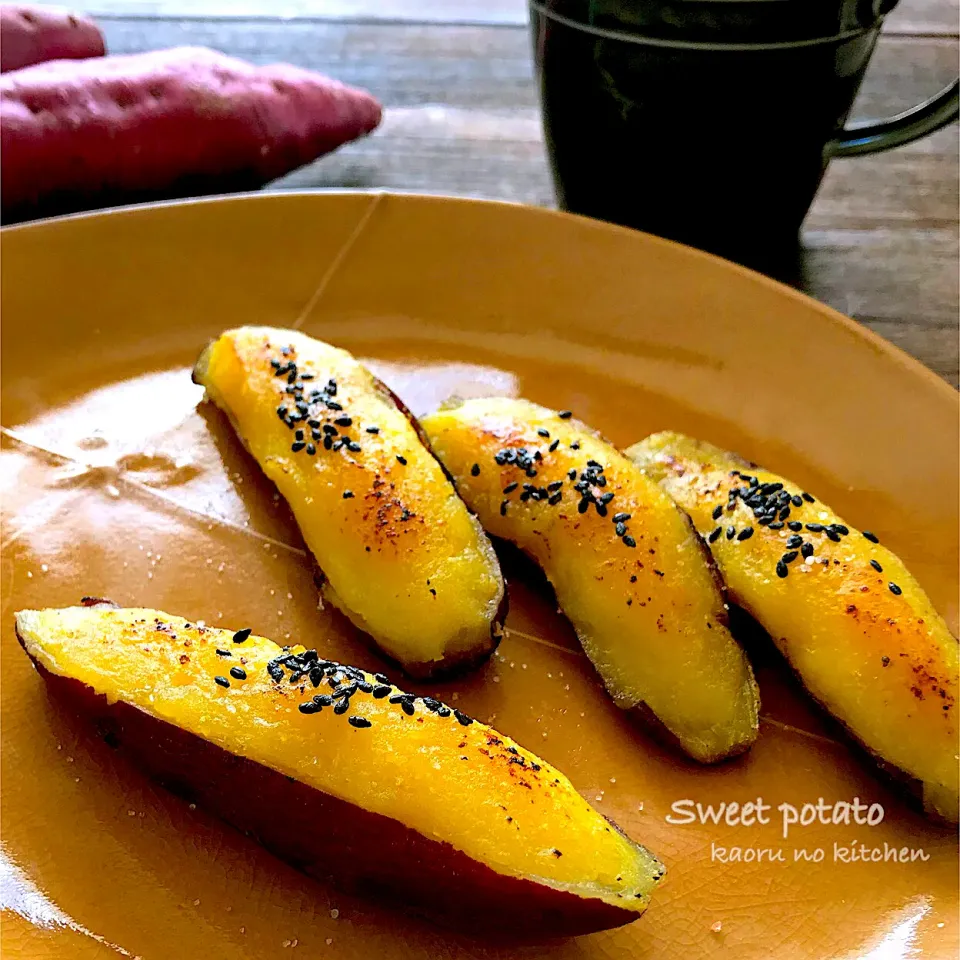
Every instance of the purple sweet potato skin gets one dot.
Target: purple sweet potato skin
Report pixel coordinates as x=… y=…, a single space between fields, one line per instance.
x=82 y=133
x=30 y=34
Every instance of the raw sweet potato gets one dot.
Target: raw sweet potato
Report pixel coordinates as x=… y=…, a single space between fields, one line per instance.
x=31 y=34
x=81 y=133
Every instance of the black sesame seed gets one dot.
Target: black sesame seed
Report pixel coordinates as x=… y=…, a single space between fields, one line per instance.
x=601 y=509
x=839 y=528
x=832 y=535
x=299 y=434
x=327 y=442
x=401 y=460
x=221 y=681
x=342 y=707
x=223 y=653
x=543 y=432
x=629 y=541
x=510 y=487
x=894 y=589
x=806 y=496
x=553 y=446
x=606 y=498
x=621 y=517
x=475 y=470
x=407 y=707
x=584 y=505
x=311 y=448
x=297 y=447
x=332 y=405
x=795 y=525
x=621 y=529
x=876 y=566
x=238 y=673
x=769 y=488
x=462 y=718
x=565 y=414
x=730 y=532
x=717 y=511
x=872 y=537
x=794 y=541
x=572 y=474
x=347 y=494
x=373 y=429
x=789 y=557
x=381 y=691
x=815 y=527
x=322 y=700
x=308 y=706
x=715 y=535
x=781 y=569
x=745 y=534
x=807 y=550
x=353 y=446
x=241 y=635
x=275 y=671
x=555 y=498
x=359 y=722
x=344 y=422
x=575 y=445
x=797 y=501
x=784 y=513
x=316 y=675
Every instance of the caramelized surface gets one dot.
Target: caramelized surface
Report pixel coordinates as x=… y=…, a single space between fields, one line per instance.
x=431 y=768
x=842 y=607
x=155 y=502
x=399 y=553
x=627 y=567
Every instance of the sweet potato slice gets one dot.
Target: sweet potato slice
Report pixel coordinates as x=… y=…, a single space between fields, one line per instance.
x=628 y=569
x=32 y=34
x=400 y=554
x=842 y=608
x=343 y=774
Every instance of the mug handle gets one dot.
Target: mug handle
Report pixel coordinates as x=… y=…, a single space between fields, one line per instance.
x=871 y=136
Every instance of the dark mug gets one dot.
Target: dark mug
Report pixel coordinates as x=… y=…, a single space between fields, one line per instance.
x=710 y=122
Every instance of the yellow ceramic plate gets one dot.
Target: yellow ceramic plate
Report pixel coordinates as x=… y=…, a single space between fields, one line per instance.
x=115 y=484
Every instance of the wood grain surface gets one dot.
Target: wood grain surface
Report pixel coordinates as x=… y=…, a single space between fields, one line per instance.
x=455 y=76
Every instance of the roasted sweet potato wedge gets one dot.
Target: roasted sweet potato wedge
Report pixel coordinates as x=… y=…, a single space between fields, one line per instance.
x=628 y=569
x=343 y=774
x=399 y=552
x=845 y=612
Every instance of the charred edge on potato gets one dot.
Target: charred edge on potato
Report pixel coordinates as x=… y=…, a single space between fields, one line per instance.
x=452 y=666
x=345 y=844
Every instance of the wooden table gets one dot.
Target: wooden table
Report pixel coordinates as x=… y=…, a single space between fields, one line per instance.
x=881 y=242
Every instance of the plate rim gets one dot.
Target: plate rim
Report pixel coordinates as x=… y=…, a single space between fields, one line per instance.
x=942 y=390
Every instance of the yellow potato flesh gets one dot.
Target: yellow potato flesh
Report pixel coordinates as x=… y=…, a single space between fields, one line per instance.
x=650 y=616
x=468 y=786
x=400 y=553
x=883 y=662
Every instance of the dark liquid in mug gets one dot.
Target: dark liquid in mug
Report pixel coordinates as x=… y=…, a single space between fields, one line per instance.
x=718 y=148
